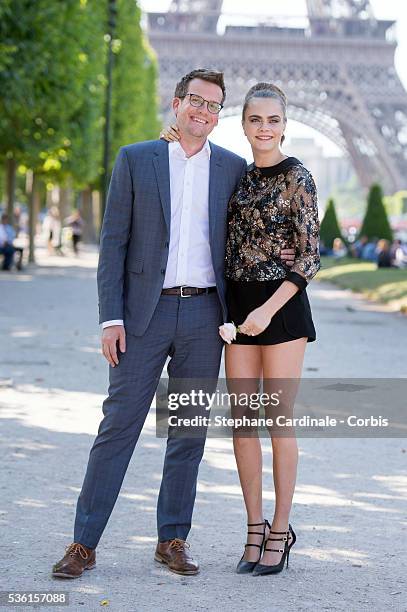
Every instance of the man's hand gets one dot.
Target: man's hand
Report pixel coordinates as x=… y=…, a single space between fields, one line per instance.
x=110 y=337
x=288 y=256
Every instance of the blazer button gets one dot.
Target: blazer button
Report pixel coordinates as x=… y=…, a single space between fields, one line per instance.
x=167 y=244
x=163 y=271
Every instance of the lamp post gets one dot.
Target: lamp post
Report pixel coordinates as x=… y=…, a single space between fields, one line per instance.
x=111 y=22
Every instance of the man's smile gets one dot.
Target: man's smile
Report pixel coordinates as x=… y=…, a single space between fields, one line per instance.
x=199 y=120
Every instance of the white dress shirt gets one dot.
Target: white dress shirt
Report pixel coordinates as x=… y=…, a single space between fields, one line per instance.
x=189 y=257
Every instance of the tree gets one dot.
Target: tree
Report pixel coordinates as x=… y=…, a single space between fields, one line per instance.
x=329 y=225
x=375 y=223
x=135 y=102
x=131 y=103
x=82 y=161
x=42 y=80
x=45 y=85
x=52 y=64
x=396 y=204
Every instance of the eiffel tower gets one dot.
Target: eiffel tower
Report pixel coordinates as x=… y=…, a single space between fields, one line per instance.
x=338 y=73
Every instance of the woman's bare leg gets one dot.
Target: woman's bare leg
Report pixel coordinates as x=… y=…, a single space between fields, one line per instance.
x=283 y=361
x=244 y=363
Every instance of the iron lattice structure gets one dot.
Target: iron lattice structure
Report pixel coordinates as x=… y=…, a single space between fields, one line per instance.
x=338 y=73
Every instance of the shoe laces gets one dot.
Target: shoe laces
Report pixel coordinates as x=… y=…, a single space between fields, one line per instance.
x=179 y=545
x=75 y=549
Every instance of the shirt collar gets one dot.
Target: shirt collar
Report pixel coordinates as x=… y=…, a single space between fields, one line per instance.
x=174 y=148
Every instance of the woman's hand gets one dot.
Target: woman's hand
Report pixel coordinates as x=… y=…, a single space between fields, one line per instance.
x=256 y=321
x=171 y=133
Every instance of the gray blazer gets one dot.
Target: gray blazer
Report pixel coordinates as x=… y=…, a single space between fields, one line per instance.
x=136 y=230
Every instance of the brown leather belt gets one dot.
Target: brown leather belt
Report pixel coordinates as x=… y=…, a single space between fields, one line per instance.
x=187 y=291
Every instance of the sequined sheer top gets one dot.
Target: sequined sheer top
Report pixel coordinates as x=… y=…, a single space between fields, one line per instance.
x=273 y=208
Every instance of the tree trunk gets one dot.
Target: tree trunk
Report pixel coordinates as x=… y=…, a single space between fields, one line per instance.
x=97 y=208
x=11 y=167
x=64 y=202
x=89 y=232
x=32 y=217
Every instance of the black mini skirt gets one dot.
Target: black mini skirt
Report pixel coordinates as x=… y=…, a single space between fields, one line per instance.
x=292 y=321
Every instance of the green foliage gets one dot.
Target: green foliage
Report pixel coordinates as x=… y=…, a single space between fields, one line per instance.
x=42 y=81
x=2 y=181
x=7 y=48
x=375 y=223
x=396 y=204
x=388 y=285
x=329 y=225
x=349 y=198
x=84 y=155
x=52 y=85
x=135 y=104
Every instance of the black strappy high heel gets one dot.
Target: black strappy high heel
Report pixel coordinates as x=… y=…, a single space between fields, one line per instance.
x=263 y=570
x=245 y=567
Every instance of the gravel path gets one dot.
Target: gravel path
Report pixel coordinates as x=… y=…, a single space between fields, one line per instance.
x=350 y=510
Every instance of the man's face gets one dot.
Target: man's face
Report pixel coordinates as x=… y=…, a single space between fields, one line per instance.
x=194 y=121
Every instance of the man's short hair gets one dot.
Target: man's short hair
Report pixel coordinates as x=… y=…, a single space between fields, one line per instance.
x=212 y=76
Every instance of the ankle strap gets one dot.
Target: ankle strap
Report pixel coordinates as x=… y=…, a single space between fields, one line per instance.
x=285 y=535
x=262 y=533
x=280 y=550
x=264 y=524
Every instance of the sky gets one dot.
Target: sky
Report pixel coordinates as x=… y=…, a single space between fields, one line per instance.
x=229 y=133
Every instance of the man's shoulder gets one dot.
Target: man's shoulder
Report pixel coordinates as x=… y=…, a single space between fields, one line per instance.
x=227 y=154
x=143 y=148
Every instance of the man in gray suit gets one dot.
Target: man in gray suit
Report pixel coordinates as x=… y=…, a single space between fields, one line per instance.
x=161 y=293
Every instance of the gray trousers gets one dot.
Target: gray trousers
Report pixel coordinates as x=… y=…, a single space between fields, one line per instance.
x=186 y=329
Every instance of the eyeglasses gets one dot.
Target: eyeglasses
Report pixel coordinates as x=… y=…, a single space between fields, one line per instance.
x=197 y=101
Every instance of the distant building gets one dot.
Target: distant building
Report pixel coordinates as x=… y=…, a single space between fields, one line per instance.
x=329 y=172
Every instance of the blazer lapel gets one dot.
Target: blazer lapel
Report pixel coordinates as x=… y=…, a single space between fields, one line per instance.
x=215 y=181
x=162 y=170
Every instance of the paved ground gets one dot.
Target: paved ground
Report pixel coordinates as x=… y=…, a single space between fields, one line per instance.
x=350 y=510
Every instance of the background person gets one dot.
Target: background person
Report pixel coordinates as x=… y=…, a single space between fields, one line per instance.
x=7 y=249
x=384 y=255
x=76 y=223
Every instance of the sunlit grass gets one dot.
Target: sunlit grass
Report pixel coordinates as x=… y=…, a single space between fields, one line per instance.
x=386 y=285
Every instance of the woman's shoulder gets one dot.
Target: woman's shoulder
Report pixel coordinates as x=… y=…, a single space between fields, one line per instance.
x=298 y=169
x=300 y=175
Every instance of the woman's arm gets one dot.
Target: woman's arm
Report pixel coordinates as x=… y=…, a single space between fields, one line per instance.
x=304 y=211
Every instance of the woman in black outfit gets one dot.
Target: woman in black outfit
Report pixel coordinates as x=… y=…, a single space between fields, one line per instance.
x=273 y=208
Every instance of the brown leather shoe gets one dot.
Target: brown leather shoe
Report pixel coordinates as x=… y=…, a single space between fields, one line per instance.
x=174 y=553
x=77 y=558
